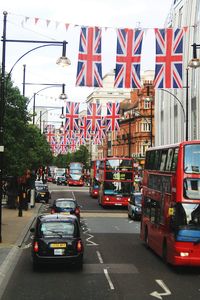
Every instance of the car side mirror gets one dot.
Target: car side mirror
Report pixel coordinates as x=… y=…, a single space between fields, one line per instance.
x=32 y=230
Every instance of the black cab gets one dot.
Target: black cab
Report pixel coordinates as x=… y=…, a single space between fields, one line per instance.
x=57 y=240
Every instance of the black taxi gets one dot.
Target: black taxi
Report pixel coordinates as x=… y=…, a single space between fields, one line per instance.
x=57 y=240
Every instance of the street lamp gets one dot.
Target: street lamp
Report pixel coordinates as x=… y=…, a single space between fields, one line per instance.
x=2 y=92
x=62 y=96
x=46 y=111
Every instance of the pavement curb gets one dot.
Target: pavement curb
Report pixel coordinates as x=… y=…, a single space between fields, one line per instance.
x=11 y=260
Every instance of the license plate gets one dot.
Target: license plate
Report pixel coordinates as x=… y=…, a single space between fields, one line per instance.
x=65 y=213
x=59 y=251
x=61 y=245
x=42 y=194
x=118 y=204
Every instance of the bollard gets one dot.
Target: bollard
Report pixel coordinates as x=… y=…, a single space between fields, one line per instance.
x=19 y=207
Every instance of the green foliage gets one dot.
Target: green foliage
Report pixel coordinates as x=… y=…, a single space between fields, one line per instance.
x=25 y=147
x=81 y=155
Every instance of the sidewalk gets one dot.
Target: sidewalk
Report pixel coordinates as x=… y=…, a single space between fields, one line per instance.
x=14 y=230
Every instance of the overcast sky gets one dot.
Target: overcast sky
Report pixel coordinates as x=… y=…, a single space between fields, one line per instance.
x=40 y=64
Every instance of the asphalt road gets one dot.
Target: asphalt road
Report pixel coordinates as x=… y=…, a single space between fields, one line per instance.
x=117 y=265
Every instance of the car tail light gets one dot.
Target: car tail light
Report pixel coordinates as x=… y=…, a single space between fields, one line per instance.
x=36 y=247
x=53 y=211
x=77 y=211
x=79 y=246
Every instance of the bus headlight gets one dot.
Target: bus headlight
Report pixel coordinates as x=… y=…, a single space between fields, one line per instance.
x=107 y=199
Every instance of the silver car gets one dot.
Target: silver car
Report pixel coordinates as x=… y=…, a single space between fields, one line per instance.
x=135 y=206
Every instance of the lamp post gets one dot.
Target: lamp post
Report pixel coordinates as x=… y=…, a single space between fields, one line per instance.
x=62 y=96
x=2 y=92
x=46 y=111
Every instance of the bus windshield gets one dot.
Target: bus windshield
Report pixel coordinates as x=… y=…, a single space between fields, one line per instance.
x=192 y=188
x=118 y=188
x=118 y=164
x=75 y=176
x=187 y=214
x=192 y=159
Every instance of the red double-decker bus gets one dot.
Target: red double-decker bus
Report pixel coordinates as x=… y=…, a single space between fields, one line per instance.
x=94 y=179
x=170 y=223
x=116 y=176
x=76 y=174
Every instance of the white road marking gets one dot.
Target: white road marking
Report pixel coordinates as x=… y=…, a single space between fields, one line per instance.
x=164 y=287
x=99 y=257
x=108 y=278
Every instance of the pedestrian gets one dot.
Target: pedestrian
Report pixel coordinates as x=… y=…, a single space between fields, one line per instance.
x=12 y=192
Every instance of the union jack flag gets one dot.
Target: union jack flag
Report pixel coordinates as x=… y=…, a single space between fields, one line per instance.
x=83 y=127
x=53 y=144
x=49 y=131
x=129 y=45
x=89 y=70
x=72 y=116
x=113 y=116
x=93 y=117
x=169 y=58
x=63 y=142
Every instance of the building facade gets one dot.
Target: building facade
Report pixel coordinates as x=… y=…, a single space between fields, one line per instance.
x=171 y=108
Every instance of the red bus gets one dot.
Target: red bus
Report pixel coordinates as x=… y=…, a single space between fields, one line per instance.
x=94 y=179
x=116 y=175
x=76 y=174
x=170 y=223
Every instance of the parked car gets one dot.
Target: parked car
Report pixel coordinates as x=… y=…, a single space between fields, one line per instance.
x=42 y=193
x=57 y=240
x=61 y=180
x=66 y=206
x=135 y=206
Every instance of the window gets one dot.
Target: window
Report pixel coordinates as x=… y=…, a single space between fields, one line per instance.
x=147 y=104
x=192 y=159
x=169 y=159
x=145 y=127
x=163 y=160
x=175 y=160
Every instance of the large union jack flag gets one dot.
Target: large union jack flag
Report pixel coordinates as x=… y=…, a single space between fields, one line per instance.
x=169 y=58
x=72 y=116
x=93 y=117
x=113 y=116
x=129 y=45
x=89 y=71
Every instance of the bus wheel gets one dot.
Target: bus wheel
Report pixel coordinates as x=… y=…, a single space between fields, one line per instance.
x=164 y=251
x=146 y=237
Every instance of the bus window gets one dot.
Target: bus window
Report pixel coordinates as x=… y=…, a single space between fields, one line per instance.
x=192 y=159
x=163 y=159
x=169 y=159
x=175 y=159
x=157 y=159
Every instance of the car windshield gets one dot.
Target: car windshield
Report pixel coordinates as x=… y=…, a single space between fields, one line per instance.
x=41 y=188
x=138 y=199
x=65 y=204
x=57 y=229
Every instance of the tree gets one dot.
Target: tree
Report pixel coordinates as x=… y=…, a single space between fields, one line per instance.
x=81 y=155
x=25 y=147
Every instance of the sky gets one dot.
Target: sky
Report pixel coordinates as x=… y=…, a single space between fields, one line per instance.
x=41 y=64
